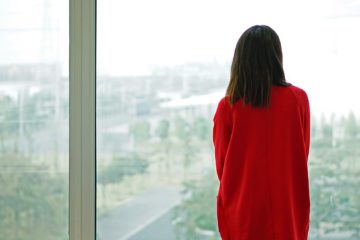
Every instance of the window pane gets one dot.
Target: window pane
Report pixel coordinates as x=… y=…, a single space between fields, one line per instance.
x=162 y=68
x=34 y=119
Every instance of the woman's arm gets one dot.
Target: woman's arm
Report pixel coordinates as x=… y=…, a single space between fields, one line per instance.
x=221 y=134
x=306 y=124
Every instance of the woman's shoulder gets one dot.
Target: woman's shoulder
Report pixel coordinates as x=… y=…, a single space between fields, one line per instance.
x=296 y=91
x=224 y=102
x=299 y=92
x=300 y=95
x=223 y=107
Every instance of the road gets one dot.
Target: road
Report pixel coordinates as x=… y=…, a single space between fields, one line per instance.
x=146 y=216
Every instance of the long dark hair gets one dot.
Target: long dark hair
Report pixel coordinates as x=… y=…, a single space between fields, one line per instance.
x=256 y=66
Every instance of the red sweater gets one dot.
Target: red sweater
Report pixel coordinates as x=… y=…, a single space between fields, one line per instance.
x=261 y=162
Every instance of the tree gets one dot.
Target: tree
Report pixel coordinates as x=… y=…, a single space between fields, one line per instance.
x=140 y=130
x=122 y=166
x=9 y=121
x=183 y=133
x=352 y=128
x=334 y=171
x=33 y=204
x=201 y=128
x=163 y=131
x=197 y=213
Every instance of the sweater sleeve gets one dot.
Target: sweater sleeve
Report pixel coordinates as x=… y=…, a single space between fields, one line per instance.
x=306 y=124
x=221 y=134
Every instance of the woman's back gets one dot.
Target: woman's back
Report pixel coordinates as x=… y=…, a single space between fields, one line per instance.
x=261 y=161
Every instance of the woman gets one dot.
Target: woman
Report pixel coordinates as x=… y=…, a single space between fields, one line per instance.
x=261 y=138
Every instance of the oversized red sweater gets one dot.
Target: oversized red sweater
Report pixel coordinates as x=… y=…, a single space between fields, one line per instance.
x=261 y=162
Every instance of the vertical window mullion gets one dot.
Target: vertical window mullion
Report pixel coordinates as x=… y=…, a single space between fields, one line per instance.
x=82 y=119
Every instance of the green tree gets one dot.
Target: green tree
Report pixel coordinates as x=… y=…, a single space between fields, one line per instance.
x=163 y=131
x=122 y=166
x=181 y=128
x=197 y=213
x=348 y=199
x=33 y=204
x=188 y=150
x=140 y=130
x=352 y=128
x=334 y=171
x=201 y=128
x=9 y=121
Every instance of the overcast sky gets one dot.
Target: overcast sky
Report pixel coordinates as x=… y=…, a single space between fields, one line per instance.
x=320 y=38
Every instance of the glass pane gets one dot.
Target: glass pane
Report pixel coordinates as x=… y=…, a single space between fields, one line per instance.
x=34 y=119
x=163 y=67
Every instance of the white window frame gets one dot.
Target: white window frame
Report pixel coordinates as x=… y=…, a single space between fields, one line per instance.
x=82 y=117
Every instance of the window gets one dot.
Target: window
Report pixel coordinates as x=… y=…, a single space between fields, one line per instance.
x=34 y=120
x=161 y=68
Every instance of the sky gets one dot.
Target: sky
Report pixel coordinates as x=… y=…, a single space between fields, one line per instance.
x=319 y=38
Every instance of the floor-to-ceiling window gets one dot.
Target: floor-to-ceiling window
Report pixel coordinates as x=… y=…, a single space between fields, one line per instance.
x=34 y=120
x=162 y=68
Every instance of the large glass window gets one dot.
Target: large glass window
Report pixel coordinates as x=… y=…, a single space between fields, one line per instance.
x=162 y=68
x=34 y=119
